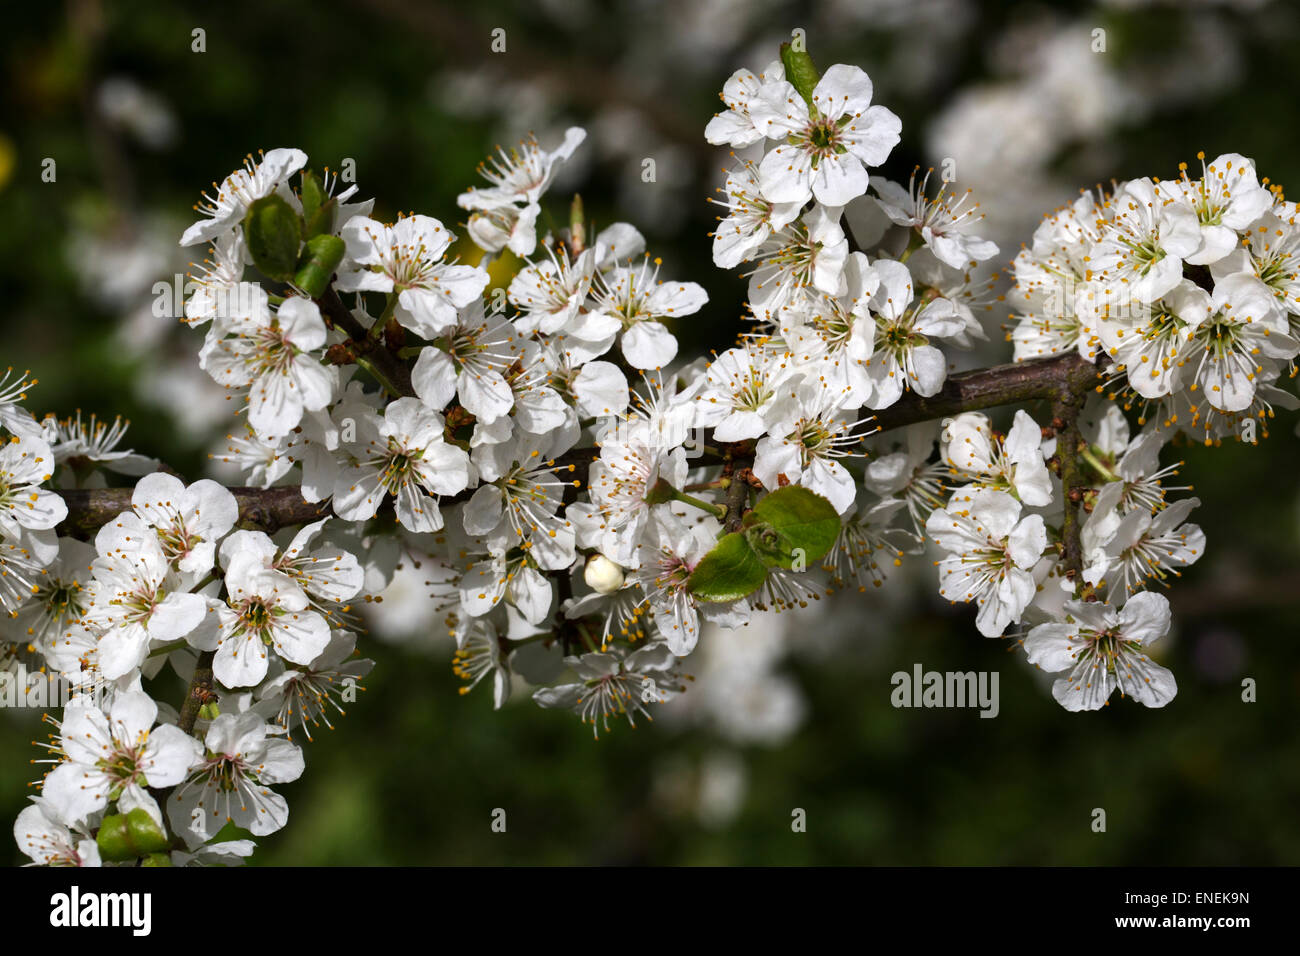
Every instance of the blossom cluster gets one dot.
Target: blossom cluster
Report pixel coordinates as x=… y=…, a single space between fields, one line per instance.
x=506 y=410
x=1187 y=286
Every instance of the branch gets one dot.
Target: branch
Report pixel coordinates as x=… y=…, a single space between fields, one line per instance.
x=1063 y=380
x=736 y=470
x=1067 y=452
x=260 y=509
x=1069 y=443
x=199 y=692
x=369 y=351
x=1058 y=378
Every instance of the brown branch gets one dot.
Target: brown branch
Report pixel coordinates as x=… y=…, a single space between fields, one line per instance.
x=1065 y=418
x=1060 y=377
x=199 y=692
x=1064 y=380
x=260 y=509
x=739 y=458
x=385 y=365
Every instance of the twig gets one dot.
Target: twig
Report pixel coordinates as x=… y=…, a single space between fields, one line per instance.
x=1066 y=405
x=200 y=690
x=260 y=509
x=1048 y=378
x=738 y=460
x=371 y=352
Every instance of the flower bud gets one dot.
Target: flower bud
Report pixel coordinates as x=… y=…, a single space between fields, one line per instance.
x=129 y=836
x=112 y=840
x=602 y=574
x=317 y=264
x=273 y=233
x=145 y=834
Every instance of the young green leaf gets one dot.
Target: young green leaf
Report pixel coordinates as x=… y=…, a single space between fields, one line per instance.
x=273 y=232
x=791 y=526
x=320 y=258
x=312 y=194
x=317 y=207
x=113 y=840
x=727 y=573
x=322 y=221
x=145 y=835
x=799 y=71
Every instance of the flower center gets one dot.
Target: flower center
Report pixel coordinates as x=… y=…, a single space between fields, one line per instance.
x=398 y=468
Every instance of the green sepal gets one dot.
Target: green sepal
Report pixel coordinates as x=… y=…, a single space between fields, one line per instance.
x=661 y=492
x=209 y=711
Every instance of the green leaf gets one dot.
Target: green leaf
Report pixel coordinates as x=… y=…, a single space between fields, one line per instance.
x=322 y=222
x=799 y=71
x=273 y=232
x=316 y=266
x=317 y=207
x=312 y=194
x=792 y=527
x=727 y=573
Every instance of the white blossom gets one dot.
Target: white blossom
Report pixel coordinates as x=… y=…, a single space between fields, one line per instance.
x=828 y=145
x=406 y=259
x=116 y=755
x=991 y=552
x=256 y=180
x=1104 y=649
x=231 y=781
x=403 y=454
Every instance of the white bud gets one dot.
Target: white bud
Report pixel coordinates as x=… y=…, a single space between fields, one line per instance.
x=602 y=574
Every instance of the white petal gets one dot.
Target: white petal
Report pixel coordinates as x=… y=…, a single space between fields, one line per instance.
x=648 y=345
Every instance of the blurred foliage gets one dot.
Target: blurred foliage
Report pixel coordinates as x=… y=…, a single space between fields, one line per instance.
x=413 y=772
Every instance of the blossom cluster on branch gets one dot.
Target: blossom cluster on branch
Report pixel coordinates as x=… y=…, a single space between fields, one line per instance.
x=580 y=498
